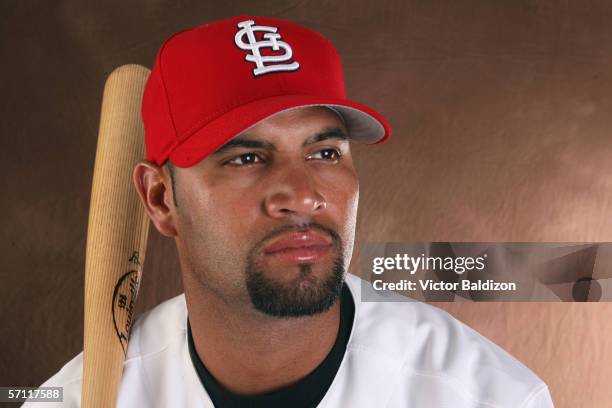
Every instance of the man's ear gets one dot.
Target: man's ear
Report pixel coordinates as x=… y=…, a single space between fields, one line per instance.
x=155 y=190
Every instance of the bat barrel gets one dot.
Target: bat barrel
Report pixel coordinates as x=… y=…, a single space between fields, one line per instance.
x=116 y=237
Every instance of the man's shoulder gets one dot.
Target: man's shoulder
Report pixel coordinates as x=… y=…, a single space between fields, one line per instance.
x=153 y=332
x=427 y=346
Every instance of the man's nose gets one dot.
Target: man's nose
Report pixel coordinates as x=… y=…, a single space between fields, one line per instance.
x=293 y=192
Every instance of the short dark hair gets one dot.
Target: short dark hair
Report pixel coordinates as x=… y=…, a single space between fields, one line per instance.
x=168 y=165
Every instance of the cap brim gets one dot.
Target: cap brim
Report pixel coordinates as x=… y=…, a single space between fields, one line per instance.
x=363 y=124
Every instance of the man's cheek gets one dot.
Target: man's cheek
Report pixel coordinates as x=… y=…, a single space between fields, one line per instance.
x=233 y=203
x=348 y=204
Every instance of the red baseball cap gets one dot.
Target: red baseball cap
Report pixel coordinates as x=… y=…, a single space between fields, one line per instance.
x=212 y=82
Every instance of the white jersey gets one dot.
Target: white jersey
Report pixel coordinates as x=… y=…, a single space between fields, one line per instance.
x=399 y=355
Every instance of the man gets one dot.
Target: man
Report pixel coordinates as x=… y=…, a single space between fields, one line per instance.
x=249 y=169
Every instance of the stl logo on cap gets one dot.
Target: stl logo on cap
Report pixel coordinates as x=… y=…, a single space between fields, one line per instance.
x=268 y=63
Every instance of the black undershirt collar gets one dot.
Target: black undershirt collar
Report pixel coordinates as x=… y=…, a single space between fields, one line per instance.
x=306 y=393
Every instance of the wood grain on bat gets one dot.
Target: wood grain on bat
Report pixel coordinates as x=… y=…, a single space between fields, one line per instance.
x=116 y=237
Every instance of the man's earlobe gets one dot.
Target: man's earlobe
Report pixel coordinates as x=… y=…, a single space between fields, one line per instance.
x=154 y=189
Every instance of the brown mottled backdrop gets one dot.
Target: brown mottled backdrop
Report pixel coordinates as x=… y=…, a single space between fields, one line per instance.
x=502 y=116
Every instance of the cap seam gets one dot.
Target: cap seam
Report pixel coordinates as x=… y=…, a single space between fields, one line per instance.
x=172 y=143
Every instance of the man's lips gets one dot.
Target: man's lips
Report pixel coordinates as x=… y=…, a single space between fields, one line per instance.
x=299 y=247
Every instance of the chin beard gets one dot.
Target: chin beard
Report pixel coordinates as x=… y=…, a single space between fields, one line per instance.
x=307 y=295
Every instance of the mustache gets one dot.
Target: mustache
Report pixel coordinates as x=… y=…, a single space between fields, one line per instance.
x=336 y=240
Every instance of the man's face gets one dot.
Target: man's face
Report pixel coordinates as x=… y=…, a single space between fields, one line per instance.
x=269 y=219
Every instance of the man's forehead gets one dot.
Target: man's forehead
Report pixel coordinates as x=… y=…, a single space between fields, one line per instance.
x=303 y=125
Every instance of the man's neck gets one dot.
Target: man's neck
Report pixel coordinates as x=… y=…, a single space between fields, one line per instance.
x=251 y=353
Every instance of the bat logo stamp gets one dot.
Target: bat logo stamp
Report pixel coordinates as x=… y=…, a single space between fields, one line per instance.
x=124 y=301
x=271 y=39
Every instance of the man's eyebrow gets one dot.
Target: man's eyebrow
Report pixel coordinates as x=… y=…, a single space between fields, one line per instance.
x=245 y=142
x=332 y=133
x=241 y=141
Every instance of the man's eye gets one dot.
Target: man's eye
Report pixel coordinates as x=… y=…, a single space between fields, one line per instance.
x=326 y=154
x=244 y=160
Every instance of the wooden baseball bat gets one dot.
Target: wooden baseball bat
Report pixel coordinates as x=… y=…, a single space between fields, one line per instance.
x=116 y=238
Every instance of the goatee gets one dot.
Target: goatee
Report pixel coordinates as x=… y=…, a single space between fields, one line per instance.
x=308 y=293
